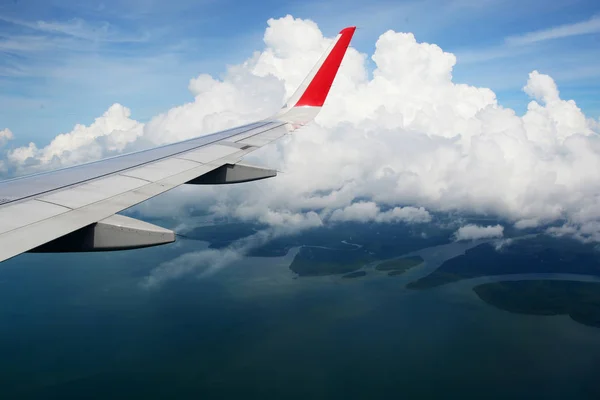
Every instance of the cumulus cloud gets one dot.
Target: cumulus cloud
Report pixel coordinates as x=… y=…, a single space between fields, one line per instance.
x=390 y=145
x=5 y=136
x=587 y=232
x=476 y=232
x=527 y=223
x=368 y=211
x=108 y=135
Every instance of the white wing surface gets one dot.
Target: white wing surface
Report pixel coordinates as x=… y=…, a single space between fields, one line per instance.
x=73 y=209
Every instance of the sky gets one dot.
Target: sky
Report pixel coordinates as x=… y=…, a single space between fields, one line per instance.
x=65 y=62
x=484 y=108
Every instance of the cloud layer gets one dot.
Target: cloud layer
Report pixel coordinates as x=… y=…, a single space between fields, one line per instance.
x=476 y=232
x=370 y=212
x=589 y=26
x=391 y=144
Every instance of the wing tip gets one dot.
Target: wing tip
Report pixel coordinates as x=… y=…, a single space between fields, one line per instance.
x=317 y=89
x=348 y=30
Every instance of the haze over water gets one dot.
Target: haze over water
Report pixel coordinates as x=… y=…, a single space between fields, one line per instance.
x=88 y=329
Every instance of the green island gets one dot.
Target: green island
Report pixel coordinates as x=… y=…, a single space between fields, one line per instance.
x=340 y=248
x=579 y=300
x=373 y=241
x=316 y=261
x=222 y=235
x=542 y=254
x=399 y=266
x=355 y=274
x=396 y=272
x=346 y=247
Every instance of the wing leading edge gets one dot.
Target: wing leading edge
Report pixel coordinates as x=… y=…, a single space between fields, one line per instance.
x=72 y=209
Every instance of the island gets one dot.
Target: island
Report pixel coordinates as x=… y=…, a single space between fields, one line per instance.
x=398 y=266
x=222 y=235
x=541 y=254
x=579 y=300
x=356 y=274
x=346 y=247
x=339 y=248
x=317 y=261
x=379 y=241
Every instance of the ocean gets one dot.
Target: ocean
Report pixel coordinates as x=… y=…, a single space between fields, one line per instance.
x=83 y=326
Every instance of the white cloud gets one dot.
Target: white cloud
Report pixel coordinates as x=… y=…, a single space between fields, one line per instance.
x=476 y=232
x=562 y=230
x=406 y=214
x=586 y=27
x=109 y=134
x=5 y=136
x=368 y=211
x=209 y=261
x=404 y=135
x=527 y=223
x=578 y=66
x=501 y=244
x=76 y=28
x=200 y=262
x=588 y=231
x=541 y=87
x=360 y=212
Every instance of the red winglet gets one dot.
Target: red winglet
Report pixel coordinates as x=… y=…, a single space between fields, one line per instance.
x=318 y=88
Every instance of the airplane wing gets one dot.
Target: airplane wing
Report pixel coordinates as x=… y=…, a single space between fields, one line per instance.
x=73 y=209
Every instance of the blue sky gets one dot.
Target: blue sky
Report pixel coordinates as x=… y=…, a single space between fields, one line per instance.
x=65 y=62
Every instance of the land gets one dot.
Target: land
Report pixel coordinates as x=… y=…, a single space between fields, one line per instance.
x=379 y=241
x=399 y=266
x=222 y=235
x=347 y=247
x=316 y=261
x=356 y=274
x=579 y=300
x=395 y=273
x=542 y=254
x=336 y=249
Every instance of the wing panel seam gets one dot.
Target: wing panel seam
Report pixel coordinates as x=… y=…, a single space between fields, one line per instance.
x=54 y=204
x=134 y=177
x=259 y=133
